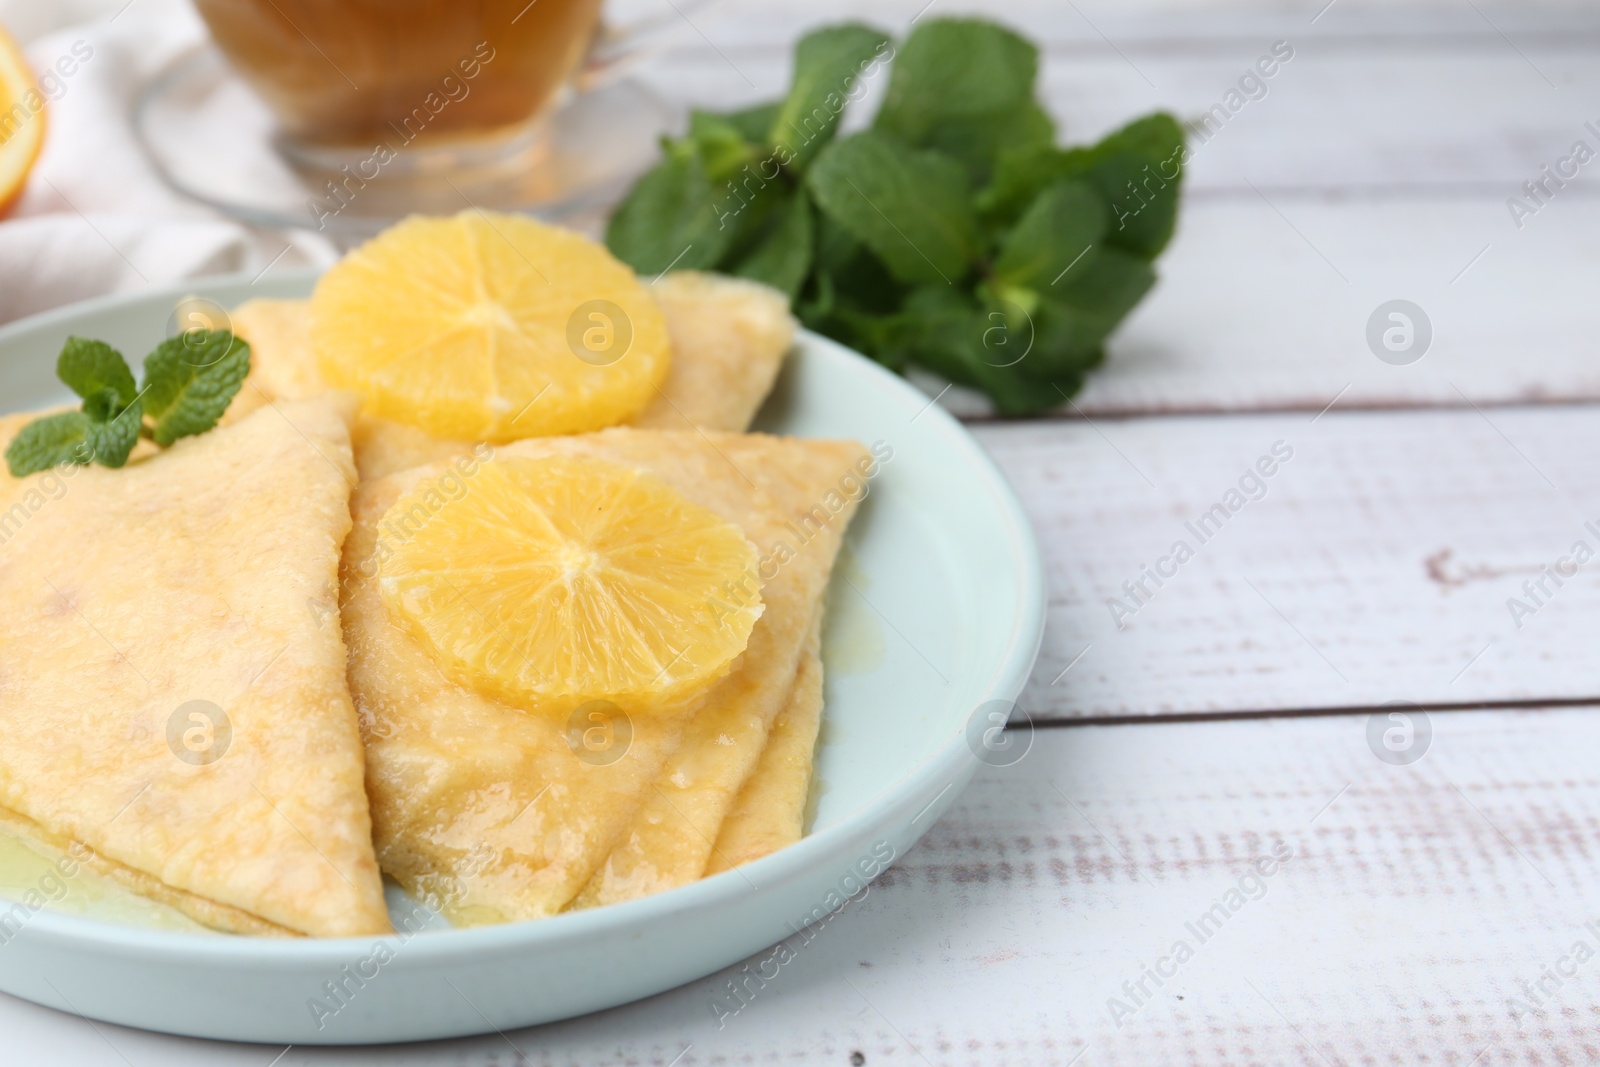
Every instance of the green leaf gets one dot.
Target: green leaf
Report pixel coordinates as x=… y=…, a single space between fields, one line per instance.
x=87 y=367
x=965 y=88
x=783 y=257
x=848 y=277
x=111 y=438
x=721 y=147
x=885 y=338
x=980 y=346
x=828 y=67
x=1054 y=237
x=956 y=69
x=977 y=141
x=1021 y=174
x=1074 y=317
x=1140 y=170
x=49 y=442
x=189 y=381
x=754 y=124
x=102 y=405
x=672 y=217
x=837 y=248
x=1117 y=283
x=909 y=207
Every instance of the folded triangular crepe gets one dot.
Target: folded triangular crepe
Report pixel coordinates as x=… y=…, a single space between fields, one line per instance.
x=172 y=674
x=726 y=755
x=729 y=337
x=770 y=811
x=493 y=812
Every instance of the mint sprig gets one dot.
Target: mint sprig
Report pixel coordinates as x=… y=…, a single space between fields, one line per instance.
x=189 y=381
x=49 y=442
x=954 y=233
x=90 y=367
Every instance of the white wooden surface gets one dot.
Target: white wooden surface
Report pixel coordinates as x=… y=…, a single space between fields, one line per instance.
x=1414 y=903
x=1377 y=564
x=1376 y=567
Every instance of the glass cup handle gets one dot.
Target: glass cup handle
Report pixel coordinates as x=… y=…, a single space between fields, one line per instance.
x=618 y=49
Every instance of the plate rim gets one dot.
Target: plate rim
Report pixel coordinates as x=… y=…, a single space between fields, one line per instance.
x=951 y=761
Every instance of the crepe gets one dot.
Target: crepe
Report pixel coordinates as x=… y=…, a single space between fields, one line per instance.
x=769 y=812
x=487 y=810
x=672 y=839
x=172 y=674
x=729 y=337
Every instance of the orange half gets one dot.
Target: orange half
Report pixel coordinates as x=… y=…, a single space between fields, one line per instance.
x=22 y=121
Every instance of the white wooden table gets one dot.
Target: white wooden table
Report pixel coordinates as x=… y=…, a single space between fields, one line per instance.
x=1430 y=911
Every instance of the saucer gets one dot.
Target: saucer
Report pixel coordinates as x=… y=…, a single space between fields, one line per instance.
x=213 y=140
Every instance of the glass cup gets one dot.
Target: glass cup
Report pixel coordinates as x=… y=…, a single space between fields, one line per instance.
x=343 y=76
x=343 y=115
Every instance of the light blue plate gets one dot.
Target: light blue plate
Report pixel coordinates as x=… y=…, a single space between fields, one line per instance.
x=936 y=612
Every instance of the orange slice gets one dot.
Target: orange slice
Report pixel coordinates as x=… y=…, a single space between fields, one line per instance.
x=566 y=579
x=22 y=121
x=489 y=327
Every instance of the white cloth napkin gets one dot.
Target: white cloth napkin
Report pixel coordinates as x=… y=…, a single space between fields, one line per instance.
x=96 y=217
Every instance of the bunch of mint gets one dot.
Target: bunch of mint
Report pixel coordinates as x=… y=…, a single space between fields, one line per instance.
x=189 y=381
x=953 y=233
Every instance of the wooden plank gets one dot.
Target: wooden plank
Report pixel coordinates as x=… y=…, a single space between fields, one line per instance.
x=1414 y=902
x=1378 y=565
x=1265 y=305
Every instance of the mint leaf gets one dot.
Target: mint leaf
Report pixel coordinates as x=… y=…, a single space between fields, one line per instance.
x=723 y=149
x=190 y=380
x=828 y=66
x=977 y=141
x=1073 y=318
x=937 y=320
x=782 y=258
x=847 y=281
x=955 y=69
x=111 y=434
x=102 y=404
x=673 y=217
x=87 y=367
x=909 y=207
x=1140 y=170
x=104 y=431
x=884 y=337
x=1054 y=238
x=1021 y=174
x=754 y=124
x=979 y=345
x=852 y=298
x=836 y=246
x=49 y=442
x=965 y=88
x=1118 y=281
